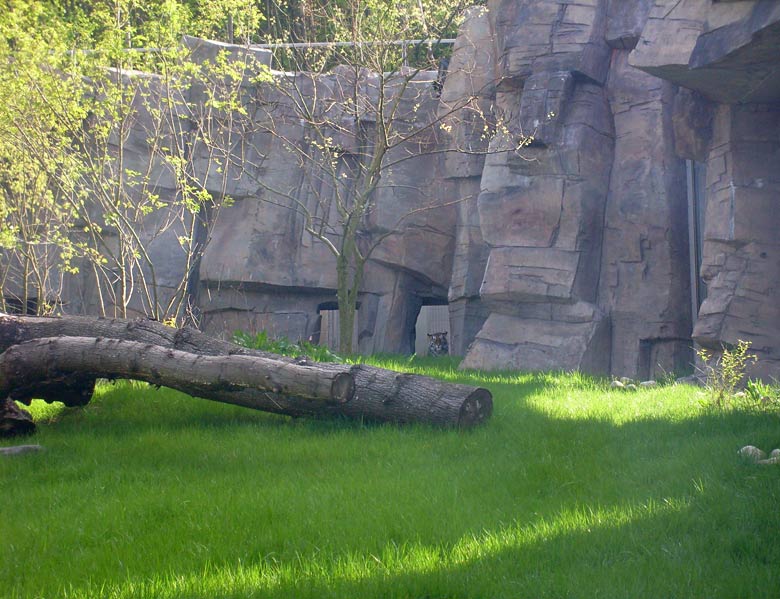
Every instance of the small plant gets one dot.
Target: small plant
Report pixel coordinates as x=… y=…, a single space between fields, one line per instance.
x=171 y=322
x=761 y=396
x=725 y=374
x=284 y=347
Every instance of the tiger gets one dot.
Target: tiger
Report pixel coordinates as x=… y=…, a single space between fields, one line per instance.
x=438 y=345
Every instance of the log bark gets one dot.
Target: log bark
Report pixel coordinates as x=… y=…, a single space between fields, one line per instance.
x=243 y=380
x=17 y=329
x=380 y=395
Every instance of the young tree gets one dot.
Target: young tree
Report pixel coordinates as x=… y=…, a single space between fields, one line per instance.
x=351 y=115
x=35 y=216
x=112 y=169
x=154 y=173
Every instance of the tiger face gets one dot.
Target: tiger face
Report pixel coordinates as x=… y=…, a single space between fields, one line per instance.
x=438 y=345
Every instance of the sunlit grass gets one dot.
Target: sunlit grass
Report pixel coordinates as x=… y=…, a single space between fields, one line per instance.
x=45 y=413
x=571 y=490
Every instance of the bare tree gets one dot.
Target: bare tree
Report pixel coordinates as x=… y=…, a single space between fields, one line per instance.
x=351 y=115
x=154 y=163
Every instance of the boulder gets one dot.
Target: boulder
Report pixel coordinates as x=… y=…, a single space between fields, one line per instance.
x=522 y=343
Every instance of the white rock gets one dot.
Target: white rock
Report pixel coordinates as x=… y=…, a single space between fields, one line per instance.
x=752 y=453
x=648 y=384
x=19 y=449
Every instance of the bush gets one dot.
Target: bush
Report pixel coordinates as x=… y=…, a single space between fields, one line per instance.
x=724 y=375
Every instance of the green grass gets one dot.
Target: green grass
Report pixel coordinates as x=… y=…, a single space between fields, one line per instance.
x=571 y=490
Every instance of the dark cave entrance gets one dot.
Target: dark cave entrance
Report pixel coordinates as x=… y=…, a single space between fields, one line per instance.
x=433 y=316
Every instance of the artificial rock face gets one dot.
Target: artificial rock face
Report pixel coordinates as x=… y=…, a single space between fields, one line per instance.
x=588 y=134
x=264 y=271
x=587 y=228
x=542 y=205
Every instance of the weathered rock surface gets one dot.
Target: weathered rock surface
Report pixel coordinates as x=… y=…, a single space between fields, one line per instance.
x=741 y=259
x=541 y=208
x=576 y=250
x=526 y=343
x=644 y=279
x=629 y=239
x=471 y=75
x=725 y=50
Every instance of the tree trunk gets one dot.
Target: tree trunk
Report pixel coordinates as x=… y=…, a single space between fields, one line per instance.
x=380 y=395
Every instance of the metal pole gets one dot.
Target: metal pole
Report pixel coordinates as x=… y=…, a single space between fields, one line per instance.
x=693 y=239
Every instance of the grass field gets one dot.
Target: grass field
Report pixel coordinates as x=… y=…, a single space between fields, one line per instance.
x=570 y=490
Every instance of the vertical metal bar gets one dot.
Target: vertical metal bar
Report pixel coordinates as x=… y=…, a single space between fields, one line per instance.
x=693 y=239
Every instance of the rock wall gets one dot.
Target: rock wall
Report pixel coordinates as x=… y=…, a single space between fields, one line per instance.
x=645 y=269
x=567 y=235
x=263 y=271
x=586 y=230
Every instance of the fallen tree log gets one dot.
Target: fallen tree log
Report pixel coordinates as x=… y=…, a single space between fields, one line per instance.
x=379 y=395
x=249 y=381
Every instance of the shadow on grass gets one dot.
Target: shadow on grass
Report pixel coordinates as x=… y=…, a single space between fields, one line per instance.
x=662 y=547
x=124 y=408
x=646 y=509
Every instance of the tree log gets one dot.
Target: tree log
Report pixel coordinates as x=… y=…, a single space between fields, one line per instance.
x=243 y=380
x=17 y=329
x=380 y=395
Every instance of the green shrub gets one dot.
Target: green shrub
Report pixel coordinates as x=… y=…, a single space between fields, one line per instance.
x=284 y=347
x=761 y=396
x=725 y=374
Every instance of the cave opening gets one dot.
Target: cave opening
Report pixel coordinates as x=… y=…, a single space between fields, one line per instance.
x=433 y=317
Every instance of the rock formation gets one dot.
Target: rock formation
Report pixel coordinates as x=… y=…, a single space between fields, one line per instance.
x=578 y=250
x=588 y=237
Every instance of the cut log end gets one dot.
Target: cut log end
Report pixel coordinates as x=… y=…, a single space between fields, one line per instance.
x=476 y=408
x=343 y=387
